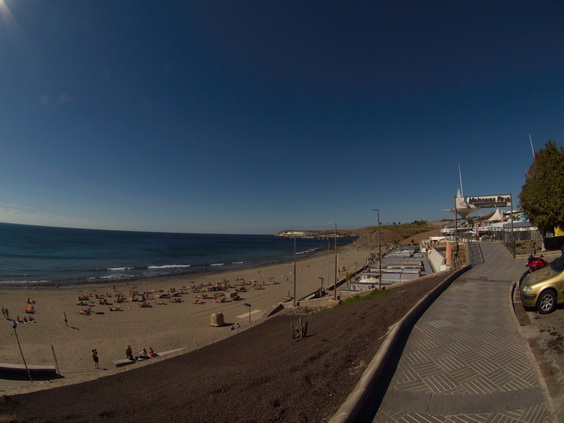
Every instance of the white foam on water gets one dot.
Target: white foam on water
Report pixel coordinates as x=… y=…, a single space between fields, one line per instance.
x=169 y=266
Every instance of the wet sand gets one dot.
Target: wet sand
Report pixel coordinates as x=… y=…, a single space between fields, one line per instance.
x=174 y=327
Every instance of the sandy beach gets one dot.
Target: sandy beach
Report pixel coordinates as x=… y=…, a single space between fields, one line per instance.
x=174 y=327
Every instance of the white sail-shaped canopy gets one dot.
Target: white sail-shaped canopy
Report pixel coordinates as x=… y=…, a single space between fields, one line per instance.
x=463 y=209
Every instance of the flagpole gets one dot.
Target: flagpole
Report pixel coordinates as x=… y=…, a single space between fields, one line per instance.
x=460 y=177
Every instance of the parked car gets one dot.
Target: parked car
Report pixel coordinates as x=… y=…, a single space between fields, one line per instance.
x=544 y=289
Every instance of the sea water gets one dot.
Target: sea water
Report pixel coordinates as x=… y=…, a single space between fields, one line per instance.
x=39 y=255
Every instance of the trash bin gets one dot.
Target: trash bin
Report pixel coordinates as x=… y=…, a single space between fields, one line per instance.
x=217 y=319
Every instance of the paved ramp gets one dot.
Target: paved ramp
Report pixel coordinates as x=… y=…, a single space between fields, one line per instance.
x=465 y=359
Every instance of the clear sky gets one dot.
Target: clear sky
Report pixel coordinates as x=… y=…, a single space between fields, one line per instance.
x=244 y=116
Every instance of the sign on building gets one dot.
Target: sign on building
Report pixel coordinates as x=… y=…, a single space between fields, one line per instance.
x=489 y=201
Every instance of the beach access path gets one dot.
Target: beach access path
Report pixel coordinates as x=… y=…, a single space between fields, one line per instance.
x=175 y=327
x=466 y=358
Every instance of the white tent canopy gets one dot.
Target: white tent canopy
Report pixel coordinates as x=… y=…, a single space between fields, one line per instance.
x=497 y=216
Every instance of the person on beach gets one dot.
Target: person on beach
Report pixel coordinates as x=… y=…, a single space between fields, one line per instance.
x=65 y=317
x=95 y=358
x=129 y=353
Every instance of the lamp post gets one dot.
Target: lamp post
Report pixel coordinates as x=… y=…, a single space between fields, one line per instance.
x=328 y=260
x=512 y=227
x=455 y=230
x=294 y=270
x=379 y=249
x=14 y=325
x=248 y=305
x=335 y=293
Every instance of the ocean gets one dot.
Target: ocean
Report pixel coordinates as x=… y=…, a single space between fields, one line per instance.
x=39 y=255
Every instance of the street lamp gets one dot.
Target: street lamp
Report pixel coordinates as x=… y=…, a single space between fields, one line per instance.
x=248 y=305
x=335 y=284
x=379 y=249
x=14 y=325
x=328 y=260
x=294 y=270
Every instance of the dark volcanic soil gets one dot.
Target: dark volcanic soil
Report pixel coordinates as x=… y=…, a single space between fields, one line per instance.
x=258 y=375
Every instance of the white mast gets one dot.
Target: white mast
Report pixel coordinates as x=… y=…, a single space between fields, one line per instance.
x=532 y=149
x=460 y=176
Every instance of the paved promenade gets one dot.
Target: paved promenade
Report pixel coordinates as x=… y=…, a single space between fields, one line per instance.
x=465 y=359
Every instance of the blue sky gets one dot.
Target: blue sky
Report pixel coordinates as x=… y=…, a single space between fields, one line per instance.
x=257 y=116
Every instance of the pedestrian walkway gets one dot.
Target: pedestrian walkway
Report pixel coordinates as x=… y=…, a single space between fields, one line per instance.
x=465 y=360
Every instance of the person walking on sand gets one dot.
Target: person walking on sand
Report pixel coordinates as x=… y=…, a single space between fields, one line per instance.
x=65 y=317
x=95 y=358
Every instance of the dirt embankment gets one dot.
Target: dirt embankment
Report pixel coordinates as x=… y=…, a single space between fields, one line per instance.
x=258 y=375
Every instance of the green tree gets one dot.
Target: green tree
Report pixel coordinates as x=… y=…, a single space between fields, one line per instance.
x=542 y=196
x=419 y=223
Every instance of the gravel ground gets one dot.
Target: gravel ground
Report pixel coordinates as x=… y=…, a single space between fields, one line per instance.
x=550 y=340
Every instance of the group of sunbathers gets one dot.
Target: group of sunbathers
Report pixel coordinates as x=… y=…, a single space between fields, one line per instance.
x=26 y=320
x=320 y=293
x=143 y=355
x=171 y=300
x=6 y=314
x=172 y=295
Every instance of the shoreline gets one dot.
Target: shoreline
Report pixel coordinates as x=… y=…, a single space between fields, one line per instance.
x=166 y=327
x=195 y=270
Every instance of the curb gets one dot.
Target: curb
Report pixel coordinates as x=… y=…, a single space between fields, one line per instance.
x=350 y=409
